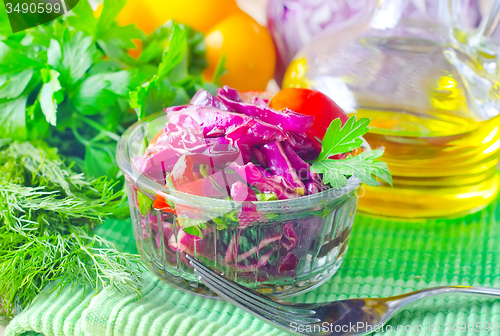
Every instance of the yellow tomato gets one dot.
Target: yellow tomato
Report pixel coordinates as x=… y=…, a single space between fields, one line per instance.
x=295 y=75
x=147 y=15
x=201 y=15
x=249 y=52
x=198 y=14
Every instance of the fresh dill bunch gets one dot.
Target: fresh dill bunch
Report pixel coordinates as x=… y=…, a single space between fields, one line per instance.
x=47 y=213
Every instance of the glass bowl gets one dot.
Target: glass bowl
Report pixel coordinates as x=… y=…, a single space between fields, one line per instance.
x=296 y=245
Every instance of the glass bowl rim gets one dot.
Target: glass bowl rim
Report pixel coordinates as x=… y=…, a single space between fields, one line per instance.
x=145 y=183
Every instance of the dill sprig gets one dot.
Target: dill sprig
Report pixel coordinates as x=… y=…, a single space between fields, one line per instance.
x=47 y=213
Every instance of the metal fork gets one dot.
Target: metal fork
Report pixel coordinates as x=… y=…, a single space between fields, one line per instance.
x=338 y=318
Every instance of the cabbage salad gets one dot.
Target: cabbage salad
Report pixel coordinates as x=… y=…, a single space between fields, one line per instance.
x=226 y=147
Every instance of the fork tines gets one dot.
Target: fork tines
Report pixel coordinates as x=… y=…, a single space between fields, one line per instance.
x=255 y=303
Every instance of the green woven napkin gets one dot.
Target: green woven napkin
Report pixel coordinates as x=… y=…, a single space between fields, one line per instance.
x=385 y=258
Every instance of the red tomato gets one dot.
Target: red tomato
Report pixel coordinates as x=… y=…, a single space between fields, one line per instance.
x=161 y=204
x=193 y=188
x=310 y=102
x=182 y=172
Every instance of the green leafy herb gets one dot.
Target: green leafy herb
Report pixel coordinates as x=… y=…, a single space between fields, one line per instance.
x=169 y=183
x=364 y=166
x=220 y=69
x=192 y=226
x=48 y=100
x=5 y=28
x=227 y=220
x=338 y=139
x=47 y=213
x=173 y=84
x=69 y=82
x=174 y=54
x=66 y=81
x=144 y=202
x=266 y=197
x=156 y=43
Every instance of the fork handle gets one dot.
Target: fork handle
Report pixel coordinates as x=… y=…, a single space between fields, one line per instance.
x=397 y=302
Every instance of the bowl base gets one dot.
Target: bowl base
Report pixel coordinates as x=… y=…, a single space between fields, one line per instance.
x=275 y=291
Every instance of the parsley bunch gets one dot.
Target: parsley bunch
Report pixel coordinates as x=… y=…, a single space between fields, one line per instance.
x=340 y=139
x=68 y=82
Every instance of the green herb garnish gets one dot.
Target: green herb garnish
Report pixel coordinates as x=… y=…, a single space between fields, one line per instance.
x=144 y=203
x=339 y=140
x=265 y=197
x=220 y=70
x=192 y=226
x=227 y=220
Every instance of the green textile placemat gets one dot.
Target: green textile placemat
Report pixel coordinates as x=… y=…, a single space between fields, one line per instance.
x=385 y=257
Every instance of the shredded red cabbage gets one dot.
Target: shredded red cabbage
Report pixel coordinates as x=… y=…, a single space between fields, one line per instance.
x=238 y=151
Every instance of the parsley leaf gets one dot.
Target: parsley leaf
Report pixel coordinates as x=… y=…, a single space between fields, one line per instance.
x=339 y=140
x=112 y=38
x=364 y=166
x=99 y=92
x=109 y=14
x=220 y=69
x=172 y=84
x=13 y=118
x=13 y=85
x=192 y=226
x=174 y=54
x=78 y=54
x=100 y=161
x=144 y=202
x=48 y=102
x=5 y=28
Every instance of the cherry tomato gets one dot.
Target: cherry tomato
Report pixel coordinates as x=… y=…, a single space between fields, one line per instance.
x=182 y=172
x=161 y=204
x=310 y=102
x=193 y=188
x=249 y=51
